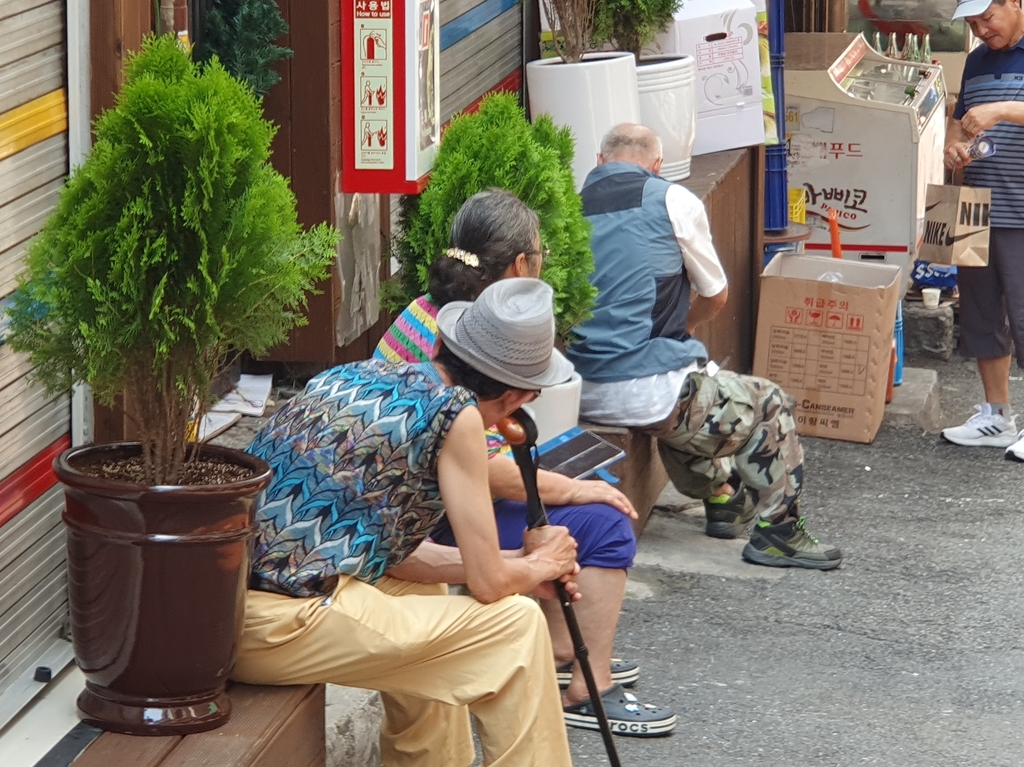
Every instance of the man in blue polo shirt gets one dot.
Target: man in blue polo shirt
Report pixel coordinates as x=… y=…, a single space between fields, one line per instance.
x=992 y=297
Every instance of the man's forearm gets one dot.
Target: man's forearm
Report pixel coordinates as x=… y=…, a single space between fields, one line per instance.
x=703 y=310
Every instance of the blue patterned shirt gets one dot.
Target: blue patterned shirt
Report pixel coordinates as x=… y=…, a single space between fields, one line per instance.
x=354 y=488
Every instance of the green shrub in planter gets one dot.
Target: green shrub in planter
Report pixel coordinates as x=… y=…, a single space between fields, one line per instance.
x=498 y=147
x=632 y=24
x=241 y=33
x=175 y=241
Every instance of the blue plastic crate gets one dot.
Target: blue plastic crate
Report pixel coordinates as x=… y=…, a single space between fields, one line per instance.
x=779 y=93
x=776 y=27
x=776 y=189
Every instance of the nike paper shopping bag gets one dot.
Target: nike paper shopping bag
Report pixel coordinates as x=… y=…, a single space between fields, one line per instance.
x=956 y=225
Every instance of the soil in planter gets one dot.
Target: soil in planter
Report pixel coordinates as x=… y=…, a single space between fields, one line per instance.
x=202 y=471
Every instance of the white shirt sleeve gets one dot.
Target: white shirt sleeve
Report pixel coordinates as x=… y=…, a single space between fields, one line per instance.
x=690 y=224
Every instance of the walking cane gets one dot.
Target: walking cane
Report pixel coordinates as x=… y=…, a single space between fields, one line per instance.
x=520 y=432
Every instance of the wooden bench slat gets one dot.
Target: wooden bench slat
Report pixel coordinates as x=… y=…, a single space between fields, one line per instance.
x=111 y=748
x=258 y=713
x=299 y=742
x=269 y=727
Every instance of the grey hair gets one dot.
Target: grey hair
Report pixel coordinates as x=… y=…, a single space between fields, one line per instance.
x=631 y=142
x=495 y=221
x=494 y=227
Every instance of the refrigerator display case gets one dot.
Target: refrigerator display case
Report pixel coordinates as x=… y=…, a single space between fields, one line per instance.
x=865 y=136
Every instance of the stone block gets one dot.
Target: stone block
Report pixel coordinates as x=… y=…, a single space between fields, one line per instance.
x=928 y=331
x=353 y=718
x=915 y=404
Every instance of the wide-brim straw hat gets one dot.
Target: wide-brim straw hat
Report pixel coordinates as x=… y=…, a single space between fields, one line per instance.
x=508 y=334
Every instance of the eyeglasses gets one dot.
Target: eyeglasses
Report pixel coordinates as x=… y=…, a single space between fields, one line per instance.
x=544 y=252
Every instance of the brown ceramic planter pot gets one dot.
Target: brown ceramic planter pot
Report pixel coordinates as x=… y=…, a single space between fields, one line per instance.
x=156 y=583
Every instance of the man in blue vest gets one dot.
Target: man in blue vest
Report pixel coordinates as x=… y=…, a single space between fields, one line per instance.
x=726 y=438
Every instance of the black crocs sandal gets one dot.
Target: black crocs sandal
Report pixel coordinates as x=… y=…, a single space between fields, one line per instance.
x=624 y=672
x=626 y=715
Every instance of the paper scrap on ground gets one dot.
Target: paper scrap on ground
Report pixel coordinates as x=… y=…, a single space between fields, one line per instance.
x=249 y=397
x=214 y=423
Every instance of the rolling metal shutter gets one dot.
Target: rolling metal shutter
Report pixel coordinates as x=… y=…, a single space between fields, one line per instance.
x=33 y=427
x=481 y=51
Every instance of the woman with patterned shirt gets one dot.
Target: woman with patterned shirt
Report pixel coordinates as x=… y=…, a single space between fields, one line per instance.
x=345 y=587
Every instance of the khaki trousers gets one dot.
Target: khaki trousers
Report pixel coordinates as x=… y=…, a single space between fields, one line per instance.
x=435 y=659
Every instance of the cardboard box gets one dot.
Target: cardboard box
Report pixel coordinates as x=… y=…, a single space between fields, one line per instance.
x=721 y=35
x=824 y=334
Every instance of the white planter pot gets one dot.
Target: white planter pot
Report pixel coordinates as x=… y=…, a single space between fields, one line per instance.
x=590 y=97
x=667 y=87
x=557 y=409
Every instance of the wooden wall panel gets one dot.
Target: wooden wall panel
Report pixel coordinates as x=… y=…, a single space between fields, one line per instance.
x=116 y=27
x=731 y=185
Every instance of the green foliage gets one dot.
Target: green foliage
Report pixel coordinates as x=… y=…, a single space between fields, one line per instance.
x=498 y=147
x=632 y=24
x=174 y=242
x=241 y=33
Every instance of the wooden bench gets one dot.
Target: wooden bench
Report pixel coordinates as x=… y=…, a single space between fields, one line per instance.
x=269 y=727
x=641 y=474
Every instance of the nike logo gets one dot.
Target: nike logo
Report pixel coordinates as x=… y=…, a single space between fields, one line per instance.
x=957 y=238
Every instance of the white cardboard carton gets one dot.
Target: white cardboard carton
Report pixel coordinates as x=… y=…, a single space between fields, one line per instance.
x=721 y=35
x=824 y=334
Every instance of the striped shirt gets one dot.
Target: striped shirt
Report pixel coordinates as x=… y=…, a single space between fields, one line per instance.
x=411 y=337
x=991 y=76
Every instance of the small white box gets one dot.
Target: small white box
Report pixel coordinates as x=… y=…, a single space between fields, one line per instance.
x=721 y=35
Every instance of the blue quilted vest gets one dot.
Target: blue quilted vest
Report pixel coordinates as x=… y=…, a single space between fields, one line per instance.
x=639 y=324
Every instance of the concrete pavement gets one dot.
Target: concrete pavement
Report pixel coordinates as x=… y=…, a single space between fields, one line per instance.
x=908 y=655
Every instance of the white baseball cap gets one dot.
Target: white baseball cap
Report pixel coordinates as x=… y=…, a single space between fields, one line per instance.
x=970 y=8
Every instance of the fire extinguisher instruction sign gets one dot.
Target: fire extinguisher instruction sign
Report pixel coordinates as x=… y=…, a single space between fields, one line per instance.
x=374 y=77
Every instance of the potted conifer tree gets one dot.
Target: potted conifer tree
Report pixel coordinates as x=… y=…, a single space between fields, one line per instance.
x=173 y=242
x=588 y=92
x=497 y=147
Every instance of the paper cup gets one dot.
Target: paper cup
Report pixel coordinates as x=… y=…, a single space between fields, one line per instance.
x=931 y=297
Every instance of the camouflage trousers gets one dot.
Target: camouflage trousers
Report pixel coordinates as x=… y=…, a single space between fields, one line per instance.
x=730 y=424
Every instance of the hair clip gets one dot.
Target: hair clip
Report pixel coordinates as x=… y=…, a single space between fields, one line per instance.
x=469 y=259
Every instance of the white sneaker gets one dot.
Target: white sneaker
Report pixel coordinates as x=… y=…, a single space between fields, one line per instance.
x=1015 y=452
x=984 y=429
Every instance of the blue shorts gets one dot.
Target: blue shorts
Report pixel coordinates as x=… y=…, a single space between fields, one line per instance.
x=603 y=533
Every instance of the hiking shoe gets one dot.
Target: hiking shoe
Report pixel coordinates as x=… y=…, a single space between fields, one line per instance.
x=626 y=715
x=983 y=429
x=788 y=544
x=1015 y=452
x=624 y=672
x=730 y=517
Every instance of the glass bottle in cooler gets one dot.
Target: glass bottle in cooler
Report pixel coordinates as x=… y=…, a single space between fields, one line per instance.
x=876 y=42
x=911 y=50
x=893 y=51
x=926 y=49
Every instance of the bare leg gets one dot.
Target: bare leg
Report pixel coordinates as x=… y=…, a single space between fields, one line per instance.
x=995 y=377
x=598 y=616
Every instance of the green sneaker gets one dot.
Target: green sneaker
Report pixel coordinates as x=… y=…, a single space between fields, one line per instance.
x=788 y=544
x=729 y=516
